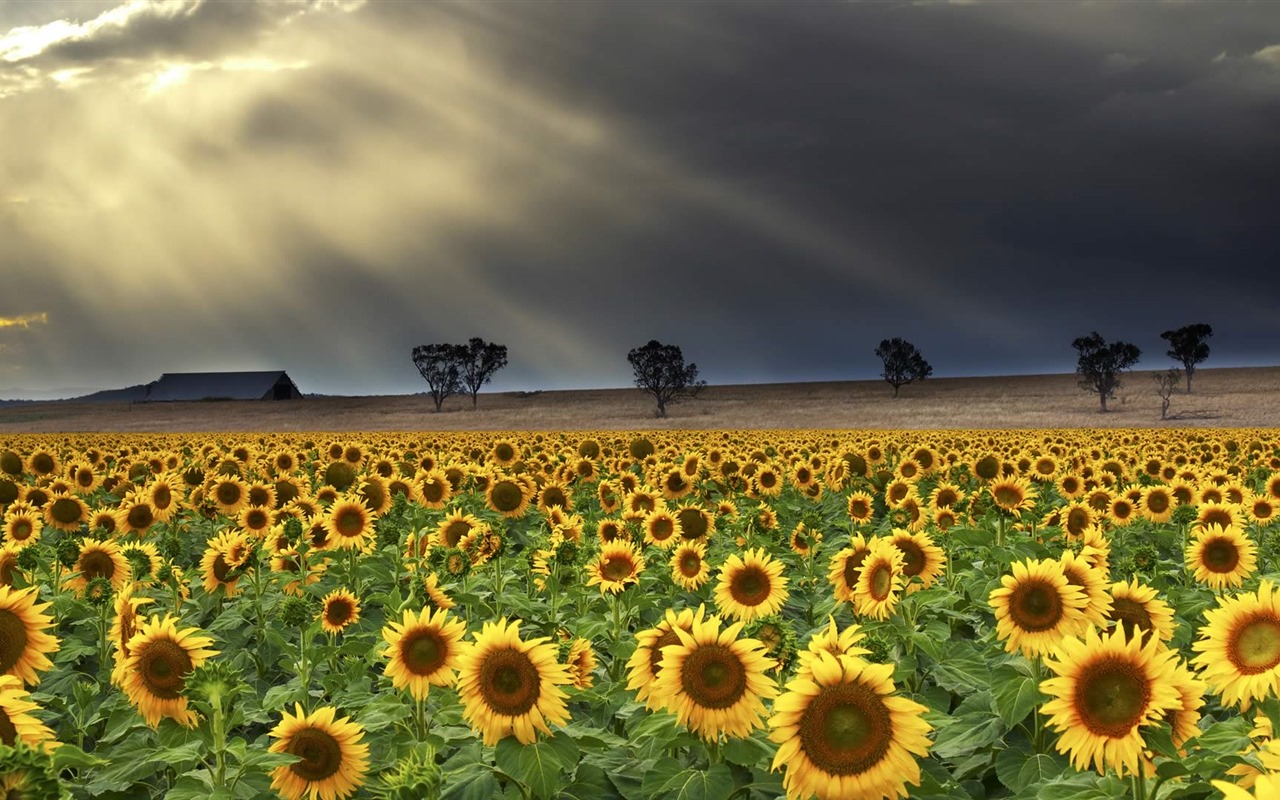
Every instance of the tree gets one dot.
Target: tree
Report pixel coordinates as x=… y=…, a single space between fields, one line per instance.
x=1188 y=346
x=660 y=370
x=902 y=363
x=1166 y=384
x=482 y=360
x=441 y=368
x=1101 y=364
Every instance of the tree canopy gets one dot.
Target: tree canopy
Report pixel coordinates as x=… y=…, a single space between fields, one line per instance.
x=441 y=367
x=902 y=363
x=1188 y=346
x=1101 y=364
x=660 y=370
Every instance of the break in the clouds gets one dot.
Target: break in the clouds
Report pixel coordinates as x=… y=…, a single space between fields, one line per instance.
x=320 y=186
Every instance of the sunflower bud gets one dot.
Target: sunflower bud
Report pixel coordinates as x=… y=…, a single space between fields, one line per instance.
x=68 y=550
x=98 y=591
x=293 y=612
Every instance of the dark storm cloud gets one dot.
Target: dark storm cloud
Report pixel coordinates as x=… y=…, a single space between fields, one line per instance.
x=773 y=186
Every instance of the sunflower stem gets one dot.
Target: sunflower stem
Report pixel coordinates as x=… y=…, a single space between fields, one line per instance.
x=1139 y=786
x=422 y=723
x=304 y=667
x=219 y=744
x=497 y=584
x=1037 y=675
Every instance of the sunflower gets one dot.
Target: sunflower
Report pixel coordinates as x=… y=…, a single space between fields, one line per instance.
x=9 y=568
x=1261 y=509
x=1239 y=646
x=842 y=733
x=333 y=760
x=1090 y=581
x=1138 y=608
x=1122 y=511
x=1096 y=549
x=661 y=528
x=645 y=664
x=66 y=512
x=99 y=559
x=1036 y=607
x=845 y=567
x=16 y=722
x=228 y=494
x=1221 y=514
x=1221 y=557
x=24 y=645
x=714 y=682
x=617 y=566
x=509 y=686
x=696 y=523
x=433 y=488
x=879 y=586
x=123 y=626
x=508 y=497
x=751 y=586
x=581 y=661
x=1077 y=518
x=803 y=540
x=165 y=494
x=349 y=523
x=898 y=492
x=860 y=507
x=1157 y=504
x=1012 y=495
x=921 y=558
x=339 y=609
x=154 y=675
x=1105 y=689
x=135 y=514
x=767 y=481
x=1184 y=721
x=22 y=527
x=689 y=565
x=424 y=650
x=831 y=640
x=224 y=556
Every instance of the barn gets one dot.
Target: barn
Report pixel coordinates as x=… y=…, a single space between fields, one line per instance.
x=177 y=386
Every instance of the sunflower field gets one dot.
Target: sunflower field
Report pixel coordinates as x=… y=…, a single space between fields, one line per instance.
x=710 y=615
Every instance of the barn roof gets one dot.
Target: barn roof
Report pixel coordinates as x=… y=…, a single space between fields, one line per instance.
x=219 y=386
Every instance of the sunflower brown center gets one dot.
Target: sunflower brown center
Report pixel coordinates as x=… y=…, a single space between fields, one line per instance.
x=1157 y=502
x=221 y=569
x=1216 y=516
x=898 y=491
x=162 y=497
x=713 y=676
x=912 y=557
x=21 y=530
x=455 y=531
x=350 y=521
x=1112 y=696
x=140 y=517
x=1254 y=647
x=321 y=754
x=163 y=665
x=338 y=612
x=751 y=586
x=96 y=564
x=509 y=682
x=1221 y=555
x=668 y=637
x=1007 y=496
x=1077 y=520
x=423 y=652
x=65 y=510
x=617 y=568
x=227 y=494
x=661 y=529
x=881 y=581
x=1132 y=615
x=846 y=730
x=858 y=509
x=853 y=567
x=945 y=498
x=433 y=491
x=13 y=639
x=1035 y=605
x=506 y=496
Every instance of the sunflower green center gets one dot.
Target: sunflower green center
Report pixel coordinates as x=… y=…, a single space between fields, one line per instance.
x=1255 y=645
x=750 y=586
x=617 y=568
x=509 y=682
x=96 y=564
x=1221 y=555
x=881 y=580
x=1035 y=605
x=320 y=752
x=713 y=676
x=65 y=510
x=350 y=521
x=13 y=639
x=506 y=496
x=424 y=652
x=163 y=665
x=846 y=729
x=1112 y=696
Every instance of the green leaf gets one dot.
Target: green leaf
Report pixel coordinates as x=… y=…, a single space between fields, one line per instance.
x=1171 y=769
x=538 y=765
x=473 y=782
x=968 y=733
x=964 y=670
x=68 y=755
x=590 y=783
x=749 y=752
x=713 y=783
x=1016 y=695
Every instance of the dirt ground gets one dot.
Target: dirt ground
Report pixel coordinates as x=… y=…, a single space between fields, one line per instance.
x=1225 y=398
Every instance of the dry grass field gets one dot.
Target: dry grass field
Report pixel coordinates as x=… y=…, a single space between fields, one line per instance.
x=1228 y=398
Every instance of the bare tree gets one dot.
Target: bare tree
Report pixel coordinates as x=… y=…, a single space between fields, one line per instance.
x=441 y=367
x=1166 y=385
x=1100 y=364
x=482 y=360
x=1187 y=346
x=902 y=363
x=660 y=370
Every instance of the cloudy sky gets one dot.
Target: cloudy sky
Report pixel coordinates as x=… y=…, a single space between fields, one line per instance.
x=320 y=185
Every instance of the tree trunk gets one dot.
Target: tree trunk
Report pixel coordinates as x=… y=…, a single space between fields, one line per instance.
x=895 y=390
x=1102 y=396
x=474 y=401
x=1188 y=382
x=662 y=409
